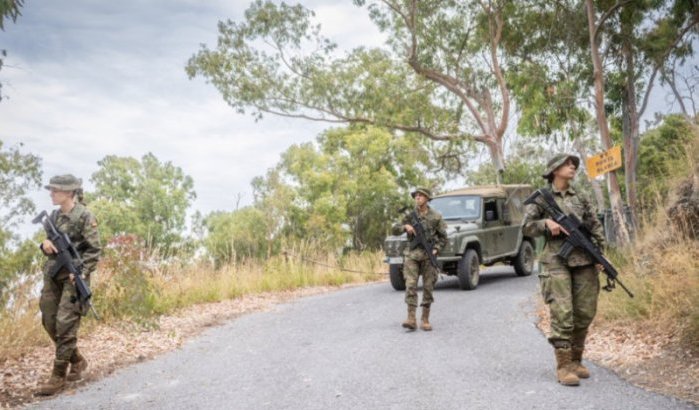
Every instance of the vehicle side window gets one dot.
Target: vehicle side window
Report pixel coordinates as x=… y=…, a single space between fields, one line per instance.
x=490 y=210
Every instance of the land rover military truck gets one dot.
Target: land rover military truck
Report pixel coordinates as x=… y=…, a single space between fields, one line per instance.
x=484 y=227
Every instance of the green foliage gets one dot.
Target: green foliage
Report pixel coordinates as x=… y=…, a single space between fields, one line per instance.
x=276 y=62
x=19 y=173
x=9 y=9
x=146 y=198
x=232 y=236
x=347 y=189
x=663 y=157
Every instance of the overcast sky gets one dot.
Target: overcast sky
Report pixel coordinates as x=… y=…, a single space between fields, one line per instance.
x=89 y=78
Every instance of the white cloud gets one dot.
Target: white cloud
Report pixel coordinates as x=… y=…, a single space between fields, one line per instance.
x=88 y=79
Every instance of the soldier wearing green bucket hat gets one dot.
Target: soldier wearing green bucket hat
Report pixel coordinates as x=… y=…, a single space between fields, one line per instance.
x=60 y=311
x=417 y=261
x=569 y=287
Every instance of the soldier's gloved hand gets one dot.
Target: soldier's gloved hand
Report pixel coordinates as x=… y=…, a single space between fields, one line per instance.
x=599 y=267
x=409 y=229
x=48 y=247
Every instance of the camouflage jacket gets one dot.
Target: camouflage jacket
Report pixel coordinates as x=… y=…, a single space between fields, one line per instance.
x=570 y=203
x=81 y=227
x=435 y=229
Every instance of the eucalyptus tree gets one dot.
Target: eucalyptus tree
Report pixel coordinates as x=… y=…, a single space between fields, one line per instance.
x=147 y=198
x=20 y=173
x=607 y=52
x=346 y=188
x=642 y=40
x=441 y=76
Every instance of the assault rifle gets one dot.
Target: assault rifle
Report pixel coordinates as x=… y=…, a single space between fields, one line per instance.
x=420 y=235
x=64 y=260
x=578 y=236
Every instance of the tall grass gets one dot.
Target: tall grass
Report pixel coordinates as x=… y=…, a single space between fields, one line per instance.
x=131 y=285
x=662 y=269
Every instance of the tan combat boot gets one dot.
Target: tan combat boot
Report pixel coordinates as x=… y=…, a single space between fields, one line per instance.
x=576 y=359
x=426 y=319
x=57 y=380
x=411 y=322
x=564 y=371
x=78 y=364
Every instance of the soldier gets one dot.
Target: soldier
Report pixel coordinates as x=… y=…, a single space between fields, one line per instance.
x=569 y=287
x=417 y=261
x=60 y=312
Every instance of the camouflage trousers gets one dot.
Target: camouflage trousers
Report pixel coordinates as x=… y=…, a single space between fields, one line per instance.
x=418 y=263
x=60 y=313
x=571 y=295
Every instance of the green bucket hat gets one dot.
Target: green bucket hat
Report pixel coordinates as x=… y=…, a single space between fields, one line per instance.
x=558 y=160
x=64 y=183
x=424 y=191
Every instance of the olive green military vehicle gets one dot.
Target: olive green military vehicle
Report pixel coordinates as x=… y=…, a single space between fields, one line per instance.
x=484 y=226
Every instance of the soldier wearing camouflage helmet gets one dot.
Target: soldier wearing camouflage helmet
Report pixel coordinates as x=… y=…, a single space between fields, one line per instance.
x=417 y=261
x=60 y=311
x=569 y=287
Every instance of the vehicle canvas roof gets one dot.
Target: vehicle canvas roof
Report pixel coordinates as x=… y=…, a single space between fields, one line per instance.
x=487 y=190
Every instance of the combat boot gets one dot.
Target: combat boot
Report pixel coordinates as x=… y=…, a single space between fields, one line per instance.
x=411 y=322
x=426 y=319
x=564 y=368
x=57 y=380
x=576 y=359
x=78 y=364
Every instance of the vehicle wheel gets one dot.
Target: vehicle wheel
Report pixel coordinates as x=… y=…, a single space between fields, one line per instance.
x=524 y=261
x=397 y=279
x=469 y=270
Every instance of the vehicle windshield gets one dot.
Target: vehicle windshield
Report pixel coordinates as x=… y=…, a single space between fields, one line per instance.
x=458 y=207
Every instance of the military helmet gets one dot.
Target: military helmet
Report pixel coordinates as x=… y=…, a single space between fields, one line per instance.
x=558 y=160
x=66 y=182
x=424 y=191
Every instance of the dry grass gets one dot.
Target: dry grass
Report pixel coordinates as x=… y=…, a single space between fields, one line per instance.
x=131 y=289
x=662 y=269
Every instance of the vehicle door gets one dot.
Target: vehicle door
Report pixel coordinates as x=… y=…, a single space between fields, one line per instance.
x=492 y=234
x=510 y=229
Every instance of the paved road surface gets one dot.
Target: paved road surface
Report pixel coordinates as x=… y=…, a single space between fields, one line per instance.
x=346 y=350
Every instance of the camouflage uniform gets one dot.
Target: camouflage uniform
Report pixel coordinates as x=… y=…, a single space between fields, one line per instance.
x=60 y=312
x=417 y=262
x=569 y=287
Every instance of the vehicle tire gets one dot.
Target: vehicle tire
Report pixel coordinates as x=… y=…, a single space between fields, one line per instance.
x=468 y=270
x=397 y=278
x=524 y=261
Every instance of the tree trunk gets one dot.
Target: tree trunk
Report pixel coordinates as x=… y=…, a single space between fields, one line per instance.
x=630 y=129
x=497 y=156
x=622 y=234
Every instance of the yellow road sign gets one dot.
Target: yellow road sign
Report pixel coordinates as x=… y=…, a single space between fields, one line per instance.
x=602 y=163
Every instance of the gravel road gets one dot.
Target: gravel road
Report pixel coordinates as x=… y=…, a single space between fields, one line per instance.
x=346 y=350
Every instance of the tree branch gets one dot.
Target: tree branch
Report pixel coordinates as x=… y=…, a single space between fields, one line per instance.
x=608 y=14
x=660 y=61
